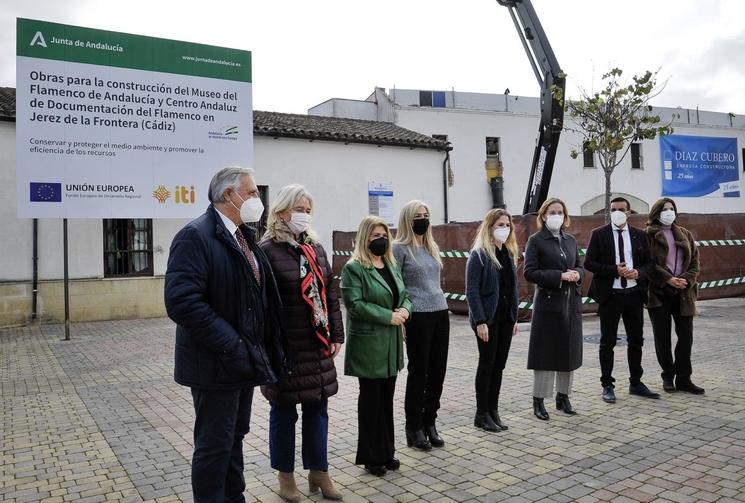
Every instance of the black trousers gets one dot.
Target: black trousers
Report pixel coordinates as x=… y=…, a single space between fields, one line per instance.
x=492 y=360
x=662 y=318
x=223 y=419
x=629 y=308
x=375 y=443
x=427 y=339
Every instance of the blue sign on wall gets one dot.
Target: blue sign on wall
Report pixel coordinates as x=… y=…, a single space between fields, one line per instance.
x=695 y=166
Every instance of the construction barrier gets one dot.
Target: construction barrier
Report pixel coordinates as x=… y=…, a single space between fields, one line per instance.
x=720 y=238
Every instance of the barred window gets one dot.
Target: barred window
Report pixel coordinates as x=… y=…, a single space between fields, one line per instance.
x=128 y=247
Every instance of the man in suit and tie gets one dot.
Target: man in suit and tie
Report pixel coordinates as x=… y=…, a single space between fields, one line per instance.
x=619 y=258
x=220 y=291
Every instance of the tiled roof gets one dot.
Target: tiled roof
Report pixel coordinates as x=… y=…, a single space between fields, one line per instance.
x=7 y=104
x=309 y=127
x=314 y=127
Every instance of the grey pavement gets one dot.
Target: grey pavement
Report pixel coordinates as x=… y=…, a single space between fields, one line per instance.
x=99 y=418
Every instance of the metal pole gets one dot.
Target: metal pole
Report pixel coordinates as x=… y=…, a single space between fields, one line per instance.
x=66 y=281
x=35 y=266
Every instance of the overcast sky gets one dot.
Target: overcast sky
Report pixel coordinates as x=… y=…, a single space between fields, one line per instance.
x=305 y=52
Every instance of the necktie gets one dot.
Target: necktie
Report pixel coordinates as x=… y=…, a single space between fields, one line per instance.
x=621 y=256
x=248 y=253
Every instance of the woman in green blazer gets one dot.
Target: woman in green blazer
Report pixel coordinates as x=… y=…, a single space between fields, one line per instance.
x=377 y=307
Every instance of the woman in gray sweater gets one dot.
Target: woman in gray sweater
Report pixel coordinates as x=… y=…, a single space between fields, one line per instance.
x=428 y=329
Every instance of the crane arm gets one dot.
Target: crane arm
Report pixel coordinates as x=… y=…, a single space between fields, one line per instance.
x=550 y=77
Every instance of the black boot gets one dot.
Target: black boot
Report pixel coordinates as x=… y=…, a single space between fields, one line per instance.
x=685 y=384
x=434 y=438
x=539 y=410
x=562 y=403
x=377 y=470
x=494 y=414
x=485 y=422
x=668 y=384
x=417 y=440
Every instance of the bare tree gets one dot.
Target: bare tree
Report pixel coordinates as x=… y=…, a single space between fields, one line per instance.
x=610 y=120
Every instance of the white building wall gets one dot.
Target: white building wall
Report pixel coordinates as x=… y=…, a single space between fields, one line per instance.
x=337 y=175
x=470 y=197
x=349 y=109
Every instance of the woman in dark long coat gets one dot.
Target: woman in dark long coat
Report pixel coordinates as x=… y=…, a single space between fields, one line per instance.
x=314 y=332
x=555 y=350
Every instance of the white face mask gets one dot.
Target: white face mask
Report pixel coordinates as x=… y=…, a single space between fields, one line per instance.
x=618 y=218
x=501 y=234
x=667 y=217
x=251 y=209
x=554 y=222
x=299 y=222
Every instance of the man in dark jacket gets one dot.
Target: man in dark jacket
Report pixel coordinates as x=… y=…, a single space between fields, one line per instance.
x=619 y=258
x=220 y=291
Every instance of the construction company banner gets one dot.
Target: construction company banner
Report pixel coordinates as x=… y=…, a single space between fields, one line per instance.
x=112 y=125
x=698 y=166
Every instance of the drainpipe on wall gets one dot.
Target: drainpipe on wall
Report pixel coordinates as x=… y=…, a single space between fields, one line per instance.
x=445 y=166
x=35 y=262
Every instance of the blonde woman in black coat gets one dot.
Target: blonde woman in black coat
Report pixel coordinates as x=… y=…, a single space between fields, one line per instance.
x=555 y=350
x=313 y=327
x=491 y=292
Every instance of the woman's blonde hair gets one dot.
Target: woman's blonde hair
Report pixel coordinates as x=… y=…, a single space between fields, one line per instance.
x=485 y=241
x=276 y=228
x=405 y=234
x=544 y=209
x=361 y=252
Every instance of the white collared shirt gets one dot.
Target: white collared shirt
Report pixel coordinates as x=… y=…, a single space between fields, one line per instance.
x=627 y=252
x=229 y=225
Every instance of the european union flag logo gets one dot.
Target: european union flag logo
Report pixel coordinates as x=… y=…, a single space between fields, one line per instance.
x=46 y=192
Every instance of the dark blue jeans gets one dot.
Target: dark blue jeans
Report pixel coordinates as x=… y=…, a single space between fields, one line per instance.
x=223 y=419
x=315 y=432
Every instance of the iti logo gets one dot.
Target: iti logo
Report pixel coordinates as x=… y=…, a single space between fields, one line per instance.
x=184 y=195
x=181 y=194
x=38 y=40
x=45 y=192
x=161 y=193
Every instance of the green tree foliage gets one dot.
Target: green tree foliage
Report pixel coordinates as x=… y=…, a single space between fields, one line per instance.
x=610 y=120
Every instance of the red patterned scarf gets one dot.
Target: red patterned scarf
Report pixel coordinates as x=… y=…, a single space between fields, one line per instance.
x=313 y=292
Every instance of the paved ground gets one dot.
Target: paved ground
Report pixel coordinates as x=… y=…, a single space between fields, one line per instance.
x=99 y=418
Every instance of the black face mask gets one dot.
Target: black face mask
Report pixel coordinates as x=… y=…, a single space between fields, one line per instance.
x=378 y=246
x=420 y=226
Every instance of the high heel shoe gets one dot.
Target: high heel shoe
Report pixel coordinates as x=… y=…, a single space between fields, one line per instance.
x=563 y=403
x=494 y=414
x=320 y=480
x=485 y=422
x=434 y=438
x=539 y=409
x=287 y=488
x=417 y=440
